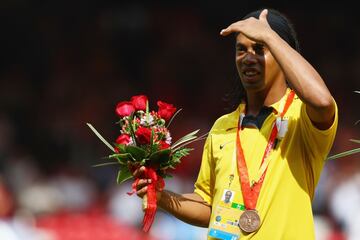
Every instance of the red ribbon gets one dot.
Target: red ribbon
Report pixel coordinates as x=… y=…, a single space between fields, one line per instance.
x=249 y=191
x=157 y=183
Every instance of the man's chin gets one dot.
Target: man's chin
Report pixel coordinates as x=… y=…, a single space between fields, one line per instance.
x=252 y=86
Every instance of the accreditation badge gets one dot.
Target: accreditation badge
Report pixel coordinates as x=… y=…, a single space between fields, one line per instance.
x=225 y=220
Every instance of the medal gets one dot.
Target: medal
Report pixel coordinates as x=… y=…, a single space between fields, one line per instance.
x=249 y=221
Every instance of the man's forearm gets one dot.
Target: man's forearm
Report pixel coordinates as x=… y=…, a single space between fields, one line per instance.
x=189 y=208
x=305 y=80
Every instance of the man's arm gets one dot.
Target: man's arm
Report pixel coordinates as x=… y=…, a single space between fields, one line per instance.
x=190 y=207
x=304 y=79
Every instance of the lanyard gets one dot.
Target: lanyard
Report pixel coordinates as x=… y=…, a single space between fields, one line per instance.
x=251 y=192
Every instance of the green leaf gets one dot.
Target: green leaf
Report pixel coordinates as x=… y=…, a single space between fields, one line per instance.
x=121 y=147
x=343 y=154
x=125 y=156
x=137 y=153
x=160 y=157
x=171 y=119
x=105 y=164
x=131 y=127
x=182 y=152
x=100 y=137
x=187 y=137
x=147 y=111
x=123 y=175
x=179 y=146
x=152 y=137
x=154 y=148
x=354 y=140
x=177 y=155
x=122 y=158
x=175 y=158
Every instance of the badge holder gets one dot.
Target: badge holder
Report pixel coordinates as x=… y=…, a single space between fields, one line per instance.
x=225 y=222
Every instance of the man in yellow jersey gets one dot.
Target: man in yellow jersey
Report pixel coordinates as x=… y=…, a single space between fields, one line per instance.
x=270 y=151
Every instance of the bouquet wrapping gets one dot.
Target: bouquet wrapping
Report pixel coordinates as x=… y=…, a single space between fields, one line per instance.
x=145 y=140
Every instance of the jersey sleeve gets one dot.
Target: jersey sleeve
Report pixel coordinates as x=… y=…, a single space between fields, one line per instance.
x=204 y=185
x=317 y=143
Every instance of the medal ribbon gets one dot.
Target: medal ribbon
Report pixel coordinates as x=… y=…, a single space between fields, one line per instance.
x=251 y=192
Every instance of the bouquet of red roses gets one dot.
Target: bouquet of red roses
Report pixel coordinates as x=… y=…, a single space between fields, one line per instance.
x=145 y=140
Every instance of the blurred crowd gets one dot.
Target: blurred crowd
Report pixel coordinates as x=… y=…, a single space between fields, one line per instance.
x=66 y=63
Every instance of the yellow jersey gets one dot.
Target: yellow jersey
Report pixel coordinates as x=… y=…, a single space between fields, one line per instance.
x=294 y=169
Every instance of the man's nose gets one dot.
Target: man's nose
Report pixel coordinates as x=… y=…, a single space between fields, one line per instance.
x=249 y=58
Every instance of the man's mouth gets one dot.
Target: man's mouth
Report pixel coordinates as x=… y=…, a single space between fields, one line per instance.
x=250 y=73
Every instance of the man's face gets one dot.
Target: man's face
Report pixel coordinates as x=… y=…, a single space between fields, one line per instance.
x=256 y=66
x=227 y=196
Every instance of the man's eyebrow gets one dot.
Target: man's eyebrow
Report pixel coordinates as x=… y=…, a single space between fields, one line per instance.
x=239 y=44
x=258 y=45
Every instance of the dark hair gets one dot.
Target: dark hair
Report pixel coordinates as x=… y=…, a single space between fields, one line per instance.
x=285 y=29
x=280 y=24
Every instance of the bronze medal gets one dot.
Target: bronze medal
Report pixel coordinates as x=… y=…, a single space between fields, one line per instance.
x=249 y=221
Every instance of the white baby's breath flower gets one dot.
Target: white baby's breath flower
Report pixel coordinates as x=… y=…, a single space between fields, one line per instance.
x=168 y=138
x=146 y=121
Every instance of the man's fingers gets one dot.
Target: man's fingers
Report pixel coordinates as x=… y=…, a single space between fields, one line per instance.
x=138 y=172
x=226 y=31
x=142 y=183
x=142 y=192
x=235 y=27
x=263 y=15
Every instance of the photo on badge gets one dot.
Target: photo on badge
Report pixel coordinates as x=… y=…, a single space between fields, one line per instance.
x=227 y=196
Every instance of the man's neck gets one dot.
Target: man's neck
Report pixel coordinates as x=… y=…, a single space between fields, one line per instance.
x=266 y=97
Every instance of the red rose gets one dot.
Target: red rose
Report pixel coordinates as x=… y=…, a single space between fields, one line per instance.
x=124 y=109
x=139 y=102
x=123 y=139
x=166 y=110
x=143 y=135
x=163 y=145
